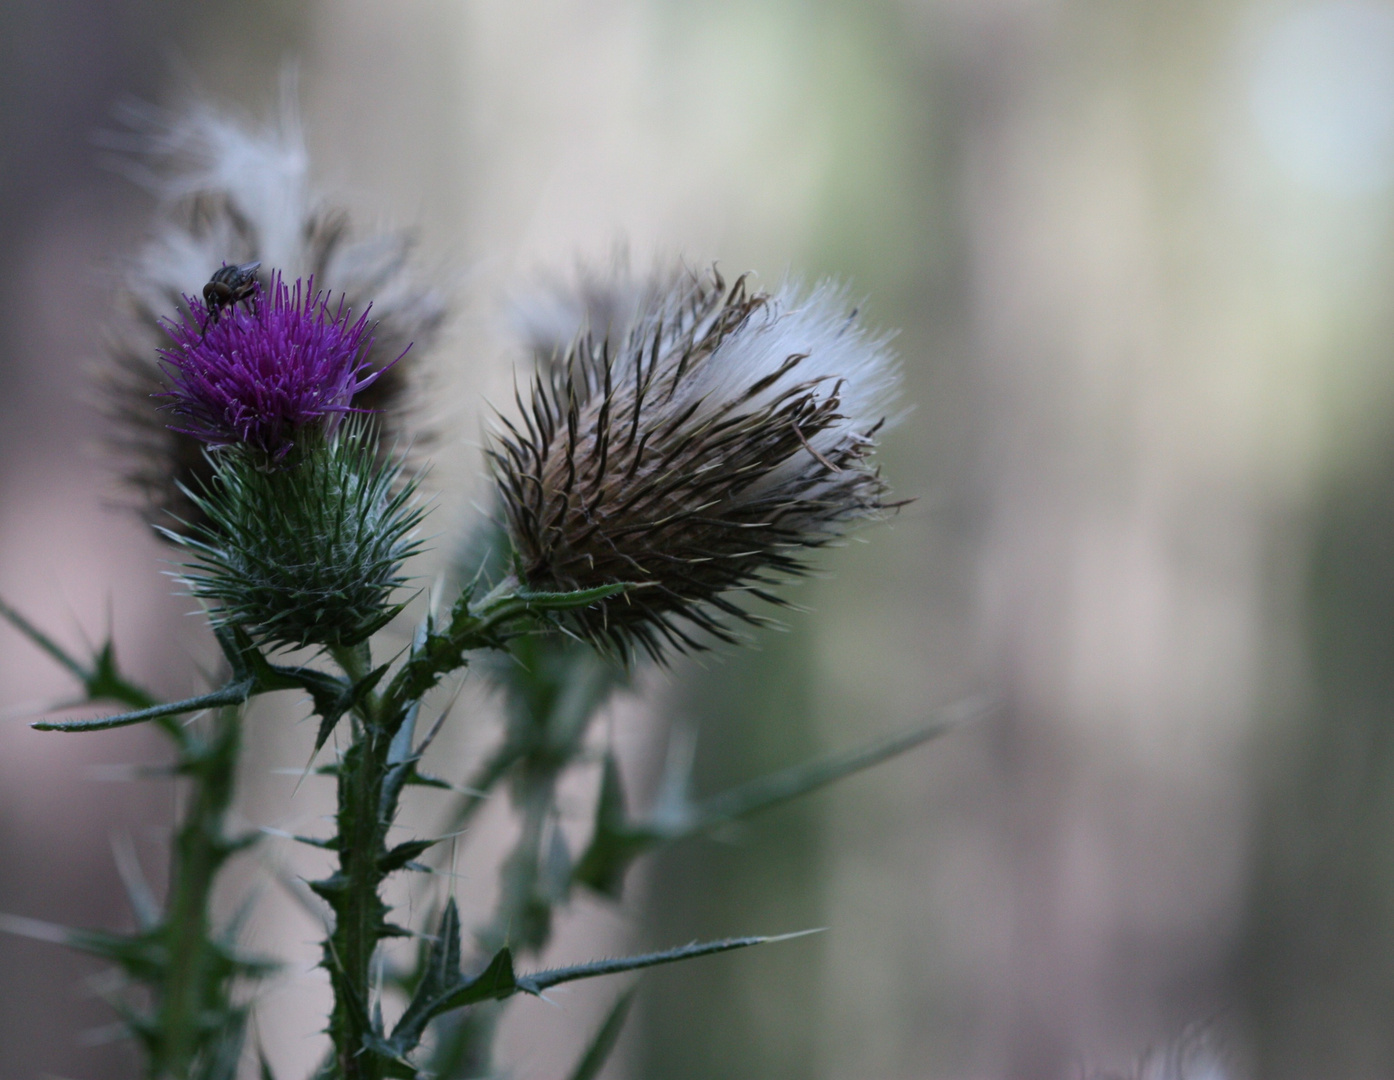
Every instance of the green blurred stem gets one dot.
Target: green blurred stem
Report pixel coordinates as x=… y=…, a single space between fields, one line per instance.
x=553 y=692
x=198 y=974
x=189 y=974
x=521 y=919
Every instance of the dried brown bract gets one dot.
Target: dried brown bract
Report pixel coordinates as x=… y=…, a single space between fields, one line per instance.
x=700 y=452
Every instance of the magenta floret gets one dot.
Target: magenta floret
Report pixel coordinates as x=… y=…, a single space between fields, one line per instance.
x=267 y=370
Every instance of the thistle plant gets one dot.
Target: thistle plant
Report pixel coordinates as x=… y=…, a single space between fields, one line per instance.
x=668 y=466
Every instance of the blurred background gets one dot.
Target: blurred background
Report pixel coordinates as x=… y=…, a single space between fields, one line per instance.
x=1140 y=257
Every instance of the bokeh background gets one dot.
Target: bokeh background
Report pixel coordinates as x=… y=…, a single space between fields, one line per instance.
x=1140 y=256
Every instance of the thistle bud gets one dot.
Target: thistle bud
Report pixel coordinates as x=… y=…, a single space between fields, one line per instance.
x=308 y=553
x=699 y=453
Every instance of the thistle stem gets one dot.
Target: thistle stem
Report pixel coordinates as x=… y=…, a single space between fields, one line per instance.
x=523 y=916
x=522 y=919
x=360 y=915
x=192 y=1027
x=197 y=978
x=354 y=659
x=366 y=811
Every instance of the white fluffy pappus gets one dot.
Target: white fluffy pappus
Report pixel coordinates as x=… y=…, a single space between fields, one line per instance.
x=820 y=323
x=234 y=191
x=840 y=355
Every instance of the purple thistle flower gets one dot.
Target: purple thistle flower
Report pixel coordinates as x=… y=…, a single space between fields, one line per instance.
x=265 y=372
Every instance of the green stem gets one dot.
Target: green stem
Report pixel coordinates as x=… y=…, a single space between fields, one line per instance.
x=367 y=807
x=193 y=1027
x=370 y=782
x=198 y=975
x=361 y=914
x=355 y=660
x=521 y=920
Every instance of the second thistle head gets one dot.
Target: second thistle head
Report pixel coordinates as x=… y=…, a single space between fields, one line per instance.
x=698 y=452
x=262 y=373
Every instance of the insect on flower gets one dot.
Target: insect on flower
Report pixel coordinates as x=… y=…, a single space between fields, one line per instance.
x=229 y=286
x=261 y=378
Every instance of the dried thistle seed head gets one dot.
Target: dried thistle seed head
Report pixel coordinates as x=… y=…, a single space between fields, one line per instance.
x=232 y=192
x=700 y=452
x=309 y=553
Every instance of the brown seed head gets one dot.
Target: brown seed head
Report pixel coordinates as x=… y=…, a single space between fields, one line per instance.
x=699 y=452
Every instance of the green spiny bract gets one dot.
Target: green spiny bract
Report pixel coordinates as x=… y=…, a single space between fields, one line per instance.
x=307 y=553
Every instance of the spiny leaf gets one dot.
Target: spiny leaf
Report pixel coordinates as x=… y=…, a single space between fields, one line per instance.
x=106 y=683
x=522 y=601
x=35 y=929
x=442 y=971
x=539 y=981
x=332 y=710
x=138 y=893
x=779 y=787
x=44 y=642
x=144 y=957
x=421 y=779
x=404 y=853
x=252 y=674
x=488 y=624
x=332 y=696
x=616 y=841
x=395 y=779
x=232 y=694
x=100 y=678
x=331 y=844
x=442 y=987
x=496 y=981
